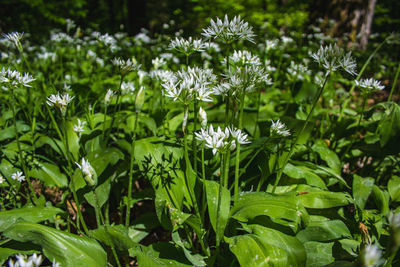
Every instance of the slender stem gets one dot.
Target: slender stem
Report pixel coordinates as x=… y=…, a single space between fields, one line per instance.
x=21 y=158
x=115 y=109
x=203 y=173
x=221 y=180
x=258 y=110
x=237 y=159
x=394 y=83
x=194 y=143
x=128 y=204
x=104 y=119
x=289 y=154
x=79 y=216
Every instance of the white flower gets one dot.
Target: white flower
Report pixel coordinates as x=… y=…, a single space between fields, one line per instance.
x=239 y=136
x=14 y=78
x=332 y=58
x=110 y=93
x=371 y=256
x=229 y=31
x=125 y=66
x=271 y=44
x=36 y=259
x=158 y=62
x=78 y=128
x=279 y=129
x=187 y=46
x=369 y=84
x=2 y=180
x=127 y=88
x=394 y=220
x=59 y=101
x=244 y=58
x=88 y=171
x=297 y=72
x=18 y=176
x=203 y=117
x=15 y=37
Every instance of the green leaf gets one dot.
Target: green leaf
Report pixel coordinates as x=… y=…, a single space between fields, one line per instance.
x=116 y=235
x=324 y=231
x=394 y=188
x=324 y=199
x=68 y=249
x=381 y=199
x=328 y=156
x=49 y=173
x=283 y=209
x=319 y=254
x=389 y=126
x=195 y=259
x=212 y=190
x=362 y=188
x=30 y=214
x=301 y=172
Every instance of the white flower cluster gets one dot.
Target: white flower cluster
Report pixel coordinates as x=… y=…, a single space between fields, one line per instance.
x=297 y=72
x=61 y=38
x=13 y=79
x=279 y=129
x=127 y=88
x=193 y=83
x=371 y=256
x=107 y=98
x=23 y=261
x=221 y=140
x=333 y=58
x=59 y=101
x=369 y=85
x=229 y=31
x=187 y=46
x=244 y=58
x=15 y=38
x=125 y=66
x=162 y=75
x=158 y=62
x=78 y=128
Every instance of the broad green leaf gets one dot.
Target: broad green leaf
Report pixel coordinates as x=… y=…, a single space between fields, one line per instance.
x=116 y=235
x=381 y=199
x=283 y=209
x=212 y=190
x=362 y=188
x=49 y=173
x=68 y=249
x=73 y=140
x=102 y=192
x=324 y=231
x=29 y=214
x=394 y=188
x=389 y=126
x=324 y=199
x=295 y=249
x=195 y=259
x=319 y=254
x=300 y=172
x=328 y=156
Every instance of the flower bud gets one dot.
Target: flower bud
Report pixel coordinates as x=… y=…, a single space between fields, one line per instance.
x=203 y=117
x=140 y=98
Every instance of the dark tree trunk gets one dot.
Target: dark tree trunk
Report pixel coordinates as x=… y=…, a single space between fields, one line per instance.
x=352 y=17
x=136 y=15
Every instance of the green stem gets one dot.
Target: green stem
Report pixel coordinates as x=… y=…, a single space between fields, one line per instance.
x=221 y=180
x=203 y=173
x=258 y=110
x=128 y=204
x=21 y=158
x=115 y=110
x=394 y=83
x=292 y=147
x=237 y=159
x=194 y=143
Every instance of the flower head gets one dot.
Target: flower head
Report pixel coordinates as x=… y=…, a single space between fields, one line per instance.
x=110 y=93
x=279 y=129
x=369 y=85
x=18 y=176
x=125 y=66
x=2 y=180
x=14 y=79
x=78 y=128
x=244 y=58
x=333 y=58
x=15 y=37
x=187 y=46
x=59 y=101
x=88 y=172
x=229 y=31
x=371 y=256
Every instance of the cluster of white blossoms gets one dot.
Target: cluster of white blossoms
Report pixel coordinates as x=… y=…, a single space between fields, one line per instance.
x=107 y=98
x=333 y=58
x=2 y=180
x=297 y=72
x=229 y=31
x=162 y=75
x=279 y=129
x=34 y=260
x=15 y=38
x=125 y=66
x=59 y=101
x=187 y=46
x=243 y=58
x=158 y=62
x=13 y=79
x=89 y=174
x=127 y=88
x=221 y=140
x=193 y=83
x=18 y=176
x=369 y=85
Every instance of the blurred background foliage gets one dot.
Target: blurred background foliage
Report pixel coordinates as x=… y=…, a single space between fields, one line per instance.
x=271 y=16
